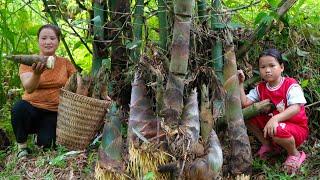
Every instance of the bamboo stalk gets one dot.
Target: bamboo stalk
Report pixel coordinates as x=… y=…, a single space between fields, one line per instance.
x=255 y=109
x=99 y=51
x=202 y=11
x=137 y=29
x=163 y=25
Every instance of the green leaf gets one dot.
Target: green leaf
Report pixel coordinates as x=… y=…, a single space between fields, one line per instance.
x=234 y=26
x=149 y=176
x=218 y=25
x=107 y=63
x=285 y=58
x=273 y=3
x=77 y=45
x=304 y=83
x=96 y=20
x=301 y=52
x=133 y=44
x=259 y=17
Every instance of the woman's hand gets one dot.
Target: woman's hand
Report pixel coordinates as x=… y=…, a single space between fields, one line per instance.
x=271 y=127
x=38 y=68
x=241 y=76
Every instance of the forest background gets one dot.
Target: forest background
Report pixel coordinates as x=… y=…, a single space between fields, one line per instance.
x=297 y=35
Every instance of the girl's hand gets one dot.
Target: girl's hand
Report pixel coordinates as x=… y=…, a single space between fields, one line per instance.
x=271 y=127
x=241 y=76
x=38 y=68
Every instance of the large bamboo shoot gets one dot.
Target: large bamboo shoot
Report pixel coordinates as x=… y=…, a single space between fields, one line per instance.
x=241 y=158
x=30 y=59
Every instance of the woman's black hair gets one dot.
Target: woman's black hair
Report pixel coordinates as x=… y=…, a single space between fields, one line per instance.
x=55 y=29
x=273 y=53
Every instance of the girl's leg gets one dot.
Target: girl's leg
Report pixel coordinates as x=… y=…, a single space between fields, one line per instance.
x=288 y=144
x=47 y=129
x=257 y=133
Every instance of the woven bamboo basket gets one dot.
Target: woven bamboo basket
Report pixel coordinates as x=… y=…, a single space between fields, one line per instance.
x=79 y=119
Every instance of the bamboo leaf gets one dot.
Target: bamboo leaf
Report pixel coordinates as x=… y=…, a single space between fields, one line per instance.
x=133 y=44
x=273 y=3
x=149 y=176
x=301 y=52
x=96 y=20
x=259 y=17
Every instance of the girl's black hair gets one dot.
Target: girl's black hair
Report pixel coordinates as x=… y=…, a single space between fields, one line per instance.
x=273 y=53
x=55 y=29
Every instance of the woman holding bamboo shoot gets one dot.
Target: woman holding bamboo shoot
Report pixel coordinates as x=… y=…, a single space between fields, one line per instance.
x=36 y=113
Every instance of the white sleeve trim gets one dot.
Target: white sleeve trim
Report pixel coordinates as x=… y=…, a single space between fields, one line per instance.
x=295 y=95
x=254 y=95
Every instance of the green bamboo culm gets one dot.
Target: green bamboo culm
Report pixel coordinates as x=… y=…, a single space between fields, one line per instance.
x=98 y=34
x=137 y=29
x=119 y=21
x=202 y=11
x=217 y=57
x=163 y=24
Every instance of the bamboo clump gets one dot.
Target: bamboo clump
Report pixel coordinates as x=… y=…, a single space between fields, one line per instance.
x=31 y=59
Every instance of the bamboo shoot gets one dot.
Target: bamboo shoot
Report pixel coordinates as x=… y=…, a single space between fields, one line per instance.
x=30 y=59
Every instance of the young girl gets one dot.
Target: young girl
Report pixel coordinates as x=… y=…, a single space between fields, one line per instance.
x=287 y=125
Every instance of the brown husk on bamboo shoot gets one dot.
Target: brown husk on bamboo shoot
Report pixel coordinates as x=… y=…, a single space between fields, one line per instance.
x=206 y=117
x=83 y=84
x=30 y=59
x=71 y=84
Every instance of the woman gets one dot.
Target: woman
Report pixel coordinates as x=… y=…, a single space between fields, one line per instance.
x=37 y=111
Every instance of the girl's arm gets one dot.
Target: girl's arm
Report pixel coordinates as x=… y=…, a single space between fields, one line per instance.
x=271 y=126
x=30 y=80
x=245 y=101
